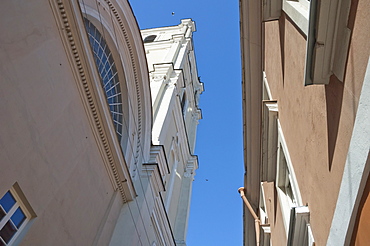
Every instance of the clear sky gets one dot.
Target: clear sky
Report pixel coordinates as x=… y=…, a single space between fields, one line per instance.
x=216 y=208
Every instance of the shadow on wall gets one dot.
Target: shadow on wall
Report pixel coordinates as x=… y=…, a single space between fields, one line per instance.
x=334 y=99
x=282 y=43
x=334 y=96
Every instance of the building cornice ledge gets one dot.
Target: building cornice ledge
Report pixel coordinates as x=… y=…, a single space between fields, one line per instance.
x=251 y=52
x=67 y=19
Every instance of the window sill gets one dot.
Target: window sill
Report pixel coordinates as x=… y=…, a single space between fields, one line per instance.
x=298 y=12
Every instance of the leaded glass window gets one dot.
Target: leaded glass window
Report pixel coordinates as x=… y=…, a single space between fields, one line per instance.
x=108 y=75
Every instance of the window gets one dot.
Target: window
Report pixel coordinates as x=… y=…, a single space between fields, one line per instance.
x=108 y=75
x=269 y=140
x=286 y=183
x=284 y=180
x=262 y=206
x=327 y=40
x=150 y=39
x=184 y=103
x=325 y=25
x=14 y=215
x=266 y=235
x=299 y=229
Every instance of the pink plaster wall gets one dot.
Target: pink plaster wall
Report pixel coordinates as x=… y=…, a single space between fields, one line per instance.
x=317 y=120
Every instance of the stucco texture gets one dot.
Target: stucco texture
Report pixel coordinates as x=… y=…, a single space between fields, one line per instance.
x=46 y=143
x=317 y=120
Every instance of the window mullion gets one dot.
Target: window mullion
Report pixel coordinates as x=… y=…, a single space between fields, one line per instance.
x=1 y=240
x=8 y=215
x=4 y=220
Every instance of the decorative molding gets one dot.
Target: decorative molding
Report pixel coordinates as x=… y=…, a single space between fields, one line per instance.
x=65 y=18
x=188 y=172
x=196 y=115
x=137 y=86
x=161 y=222
x=152 y=172
x=158 y=78
x=157 y=155
x=190 y=167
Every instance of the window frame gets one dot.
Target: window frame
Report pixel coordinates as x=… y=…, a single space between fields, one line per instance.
x=324 y=23
x=328 y=40
x=20 y=202
x=285 y=202
x=269 y=136
x=114 y=101
x=300 y=232
x=262 y=206
x=266 y=235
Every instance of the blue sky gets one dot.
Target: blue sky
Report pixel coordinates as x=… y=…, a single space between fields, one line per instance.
x=216 y=208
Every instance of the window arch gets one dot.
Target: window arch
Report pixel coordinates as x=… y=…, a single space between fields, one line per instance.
x=108 y=75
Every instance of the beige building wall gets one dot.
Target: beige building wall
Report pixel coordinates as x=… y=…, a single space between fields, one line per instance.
x=61 y=157
x=47 y=144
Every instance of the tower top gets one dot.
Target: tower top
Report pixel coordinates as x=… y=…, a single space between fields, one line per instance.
x=185 y=28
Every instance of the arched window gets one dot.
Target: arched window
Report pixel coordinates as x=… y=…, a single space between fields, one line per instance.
x=108 y=75
x=150 y=38
x=184 y=103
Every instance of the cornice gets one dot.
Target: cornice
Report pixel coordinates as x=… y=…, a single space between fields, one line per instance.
x=64 y=12
x=158 y=155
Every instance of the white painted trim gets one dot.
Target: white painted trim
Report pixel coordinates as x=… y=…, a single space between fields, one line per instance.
x=298 y=11
x=171 y=182
x=269 y=140
x=355 y=171
x=271 y=9
x=252 y=67
x=263 y=212
x=300 y=230
x=295 y=185
x=286 y=205
x=267 y=86
x=266 y=236
x=327 y=40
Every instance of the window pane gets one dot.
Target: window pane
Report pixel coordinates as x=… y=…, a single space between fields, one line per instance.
x=8 y=231
x=18 y=217
x=2 y=213
x=1 y=243
x=150 y=38
x=7 y=201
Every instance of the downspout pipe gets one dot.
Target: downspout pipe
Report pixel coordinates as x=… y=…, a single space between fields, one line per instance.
x=257 y=221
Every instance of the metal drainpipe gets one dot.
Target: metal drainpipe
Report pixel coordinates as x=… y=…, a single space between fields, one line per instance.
x=257 y=222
